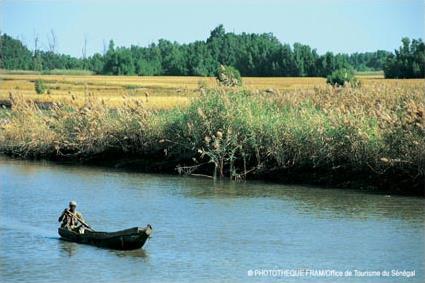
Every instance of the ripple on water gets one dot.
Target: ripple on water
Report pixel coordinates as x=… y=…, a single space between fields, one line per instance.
x=203 y=230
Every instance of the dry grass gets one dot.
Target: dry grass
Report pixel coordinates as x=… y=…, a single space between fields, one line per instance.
x=272 y=124
x=155 y=92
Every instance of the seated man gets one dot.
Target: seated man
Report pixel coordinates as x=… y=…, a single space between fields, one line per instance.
x=72 y=219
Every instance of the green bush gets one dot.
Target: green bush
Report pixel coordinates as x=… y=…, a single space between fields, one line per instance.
x=341 y=77
x=40 y=87
x=228 y=76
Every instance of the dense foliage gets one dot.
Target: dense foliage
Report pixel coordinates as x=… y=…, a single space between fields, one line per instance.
x=368 y=61
x=251 y=54
x=14 y=55
x=408 y=61
x=341 y=77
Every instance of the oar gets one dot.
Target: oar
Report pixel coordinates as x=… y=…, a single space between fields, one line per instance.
x=79 y=220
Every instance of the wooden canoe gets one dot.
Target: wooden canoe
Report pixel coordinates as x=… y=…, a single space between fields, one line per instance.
x=129 y=239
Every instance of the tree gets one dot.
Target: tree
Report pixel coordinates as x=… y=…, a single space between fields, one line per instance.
x=286 y=65
x=408 y=61
x=173 y=58
x=118 y=61
x=305 y=60
x=200 y=62
x=13 y=54
x=96 y=63
x=250 y=53
x=215 y=42
x=52 y=41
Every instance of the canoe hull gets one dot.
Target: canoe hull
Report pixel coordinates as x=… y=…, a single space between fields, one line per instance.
x=129 y=239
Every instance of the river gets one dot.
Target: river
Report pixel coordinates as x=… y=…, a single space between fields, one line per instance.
x=204 y=231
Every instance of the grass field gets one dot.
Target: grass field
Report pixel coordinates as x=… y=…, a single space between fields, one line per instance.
x=155 y=92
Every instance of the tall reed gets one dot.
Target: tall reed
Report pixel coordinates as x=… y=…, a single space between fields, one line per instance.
x=376 y=129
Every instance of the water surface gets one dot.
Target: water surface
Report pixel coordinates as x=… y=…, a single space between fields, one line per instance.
x=203 y=231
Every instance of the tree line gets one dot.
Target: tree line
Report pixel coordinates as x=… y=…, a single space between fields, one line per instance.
x=408 y=61
x=251 y=54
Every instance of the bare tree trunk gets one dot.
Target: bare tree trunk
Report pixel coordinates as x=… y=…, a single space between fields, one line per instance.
x=51 y=40
x=104 y=48
x=84 y=51
x=35 y=43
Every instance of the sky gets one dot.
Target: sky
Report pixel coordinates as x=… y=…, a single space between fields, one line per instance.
x=328 y=25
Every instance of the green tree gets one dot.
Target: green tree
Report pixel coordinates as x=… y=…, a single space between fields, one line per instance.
x=13 y=54
x=408 y=61
x=118 y=61
x=173 y=58
x=250 y=53
x=96 y=63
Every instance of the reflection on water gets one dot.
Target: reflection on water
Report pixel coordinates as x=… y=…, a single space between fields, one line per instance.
x=203 y=231
x=321 y=201
x=68 y=248
x=142 y=253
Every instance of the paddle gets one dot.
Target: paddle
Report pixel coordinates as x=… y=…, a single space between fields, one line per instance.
x=79 y=220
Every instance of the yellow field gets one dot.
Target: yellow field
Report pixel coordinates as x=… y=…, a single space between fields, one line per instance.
x=156 y=92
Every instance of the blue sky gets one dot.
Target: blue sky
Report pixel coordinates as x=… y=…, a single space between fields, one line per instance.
x=334 y=25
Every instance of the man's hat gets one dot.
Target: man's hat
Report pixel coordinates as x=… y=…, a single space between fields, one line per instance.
x=72 y=203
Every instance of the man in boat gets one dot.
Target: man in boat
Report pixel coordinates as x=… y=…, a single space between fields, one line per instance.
x=72 y=219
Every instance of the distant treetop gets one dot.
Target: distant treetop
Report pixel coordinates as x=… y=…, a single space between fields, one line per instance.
x=250 y=53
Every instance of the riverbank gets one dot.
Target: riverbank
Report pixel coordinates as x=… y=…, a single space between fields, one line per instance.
x=372 y=136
